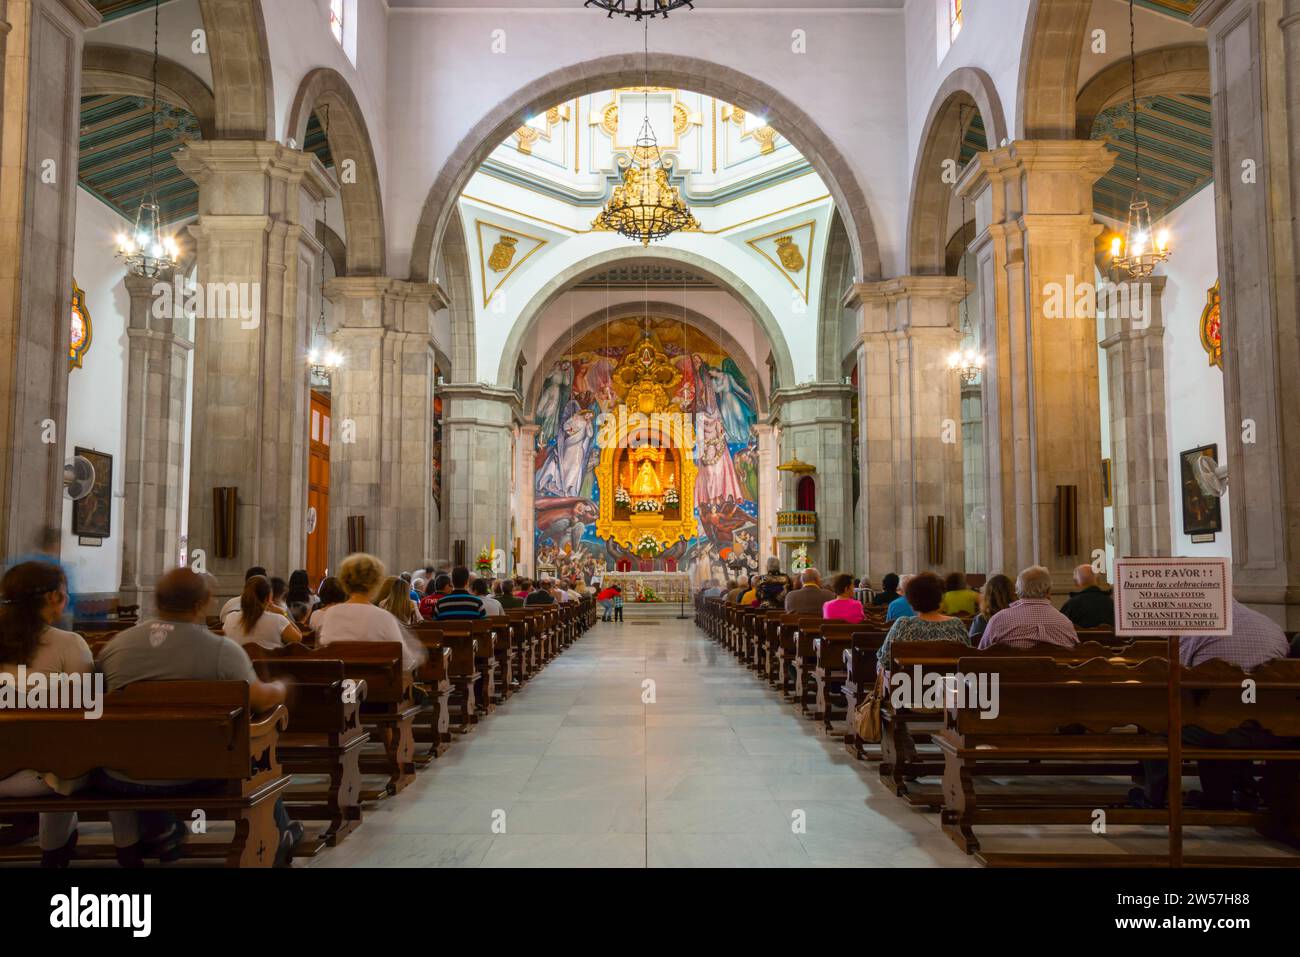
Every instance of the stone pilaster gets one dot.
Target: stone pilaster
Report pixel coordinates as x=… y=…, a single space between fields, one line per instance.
x=158 y=348
x=1041 y=394
x=910 y=422
x=257 y=265
x=478 y=439
x=1255 y=86
x=381 y=465
x=813 y=424
x=1139 y=440
x=525 y=496
x=767 y=489
x=40 y=59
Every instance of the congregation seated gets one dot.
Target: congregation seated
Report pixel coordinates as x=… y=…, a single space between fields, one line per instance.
x=279 y=595
x=35 y=596
x=771 y=588
x=843 y=607
x=257 y=622
x=900 y=607
x=736 y=592
x=176 y=646
x=232 y=604
x=888 y=593
x=994 y=597
x=491 y=604
x=923 y=593
x=810 y=597
x=958 y=597
x=1090 y=606
x=356 y=619
x=1031 y=619
x=1255 y=640
x=396 y=600
x=712 y=589
x=539 y=595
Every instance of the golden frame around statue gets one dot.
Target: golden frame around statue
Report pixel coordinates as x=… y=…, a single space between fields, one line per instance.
x=670 y=429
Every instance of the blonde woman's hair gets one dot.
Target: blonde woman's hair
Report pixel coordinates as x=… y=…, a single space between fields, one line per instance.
x=396 y=599
x=385 y=587
x=360 y=574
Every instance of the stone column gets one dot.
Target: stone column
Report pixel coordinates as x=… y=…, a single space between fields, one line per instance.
x=381 y=464
x=525 y=496
x=40 y=77
x=478 y=435
x=153 y=449
x=1255 y=85
x=767 y=490
x=814 y=427
x=910 y=428
x=257 y=266
x=1139 y=441
x=1041 y=392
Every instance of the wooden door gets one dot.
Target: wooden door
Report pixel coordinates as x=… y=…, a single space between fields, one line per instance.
x=318 y=487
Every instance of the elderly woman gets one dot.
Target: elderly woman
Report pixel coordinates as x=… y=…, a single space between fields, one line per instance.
x=771 y=588
x=924 y=592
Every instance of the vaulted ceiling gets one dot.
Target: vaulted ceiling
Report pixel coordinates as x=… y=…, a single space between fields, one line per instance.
x=114 y=9
x=1182 y=9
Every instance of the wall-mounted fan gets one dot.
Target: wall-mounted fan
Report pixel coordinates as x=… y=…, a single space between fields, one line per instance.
x=1211 y=476
x=78 y=477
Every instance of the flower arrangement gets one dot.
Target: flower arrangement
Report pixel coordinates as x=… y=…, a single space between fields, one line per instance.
x=621 y=498
x=671 y=498
x=648 y=505
x=483 y=563
x=645 y=593
x=647 y=546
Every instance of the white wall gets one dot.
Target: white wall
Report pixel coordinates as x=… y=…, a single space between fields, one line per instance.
x=1193 y=388
x=176 y=23
x=443 y=79
x=96 y=411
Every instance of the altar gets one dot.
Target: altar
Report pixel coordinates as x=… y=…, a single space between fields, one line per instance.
x=664 y=586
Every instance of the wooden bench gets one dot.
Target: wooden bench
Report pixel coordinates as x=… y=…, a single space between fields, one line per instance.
x=186 y=731
x=462 y=665
x=830 y=670
x=324 y=737
x=1073 y=718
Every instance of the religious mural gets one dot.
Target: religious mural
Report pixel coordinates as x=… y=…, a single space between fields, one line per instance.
x=645 y=457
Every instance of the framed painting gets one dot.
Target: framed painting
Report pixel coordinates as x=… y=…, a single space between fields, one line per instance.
x=92 y=515
x=1202 y=513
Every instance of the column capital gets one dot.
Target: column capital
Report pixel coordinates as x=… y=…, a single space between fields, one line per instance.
x=886 y=291
x=224 y=165
x=481 y=404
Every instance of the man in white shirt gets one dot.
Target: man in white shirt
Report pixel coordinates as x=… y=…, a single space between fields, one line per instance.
x=491 y=606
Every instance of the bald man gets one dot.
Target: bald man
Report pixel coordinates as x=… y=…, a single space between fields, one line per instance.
x=1090 y=606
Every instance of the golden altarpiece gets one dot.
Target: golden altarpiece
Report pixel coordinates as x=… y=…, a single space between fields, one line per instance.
x=646 y=474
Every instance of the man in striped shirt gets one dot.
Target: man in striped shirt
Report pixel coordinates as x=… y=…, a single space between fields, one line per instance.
x=459 y=604
x=1032 y=620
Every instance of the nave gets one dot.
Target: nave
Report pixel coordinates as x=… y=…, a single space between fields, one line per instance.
x=709 y=775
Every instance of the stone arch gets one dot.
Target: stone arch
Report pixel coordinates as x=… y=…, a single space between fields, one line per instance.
x=965 y=90
x=241 y=68
x=107 y=69
x=334 y=247
x=626 y=256
x=349 y=139
x=1182 y=68
x=654 y=308
x=673 y=70
x=1055 y=31
x=454 y=277
x=837 y=276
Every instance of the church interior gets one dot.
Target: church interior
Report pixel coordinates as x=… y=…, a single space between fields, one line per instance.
x=651 y=434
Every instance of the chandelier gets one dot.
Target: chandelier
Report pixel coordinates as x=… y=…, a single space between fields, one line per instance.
x=323 y=358
x=145 y=250
x=967 y=363
x=640 y=9
x=1142 y=247
x=645 y=206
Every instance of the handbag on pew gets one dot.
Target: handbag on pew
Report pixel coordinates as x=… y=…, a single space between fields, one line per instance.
x=866 y=718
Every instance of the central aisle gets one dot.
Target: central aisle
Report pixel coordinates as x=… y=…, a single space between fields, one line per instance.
x=579 y=772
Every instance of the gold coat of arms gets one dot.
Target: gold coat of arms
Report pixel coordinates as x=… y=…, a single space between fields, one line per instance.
x=791 y=258
x=502 y=253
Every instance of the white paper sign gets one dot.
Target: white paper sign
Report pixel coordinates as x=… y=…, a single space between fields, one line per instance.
x=1173 y=596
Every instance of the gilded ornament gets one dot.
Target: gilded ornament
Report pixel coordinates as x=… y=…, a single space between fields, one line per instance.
x=502 y=253
x=791 y=257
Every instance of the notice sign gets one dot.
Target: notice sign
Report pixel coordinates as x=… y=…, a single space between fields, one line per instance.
x=1173 y=596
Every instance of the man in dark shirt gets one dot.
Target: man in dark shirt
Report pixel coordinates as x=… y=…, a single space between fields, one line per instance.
x=508 y=597
x=889 y=592
x=1090 y=607
x=459 y=603
x=540 y=596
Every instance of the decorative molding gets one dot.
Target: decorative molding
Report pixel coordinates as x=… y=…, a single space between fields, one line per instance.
x=510 y=264
x=786 y=250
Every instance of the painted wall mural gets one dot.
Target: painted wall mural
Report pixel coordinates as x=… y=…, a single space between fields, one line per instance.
x=645 y=457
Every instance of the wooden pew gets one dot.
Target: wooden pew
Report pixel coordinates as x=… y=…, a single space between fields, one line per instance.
x=462 y=667
x=389 y=711
x=1068 y=718
x=204 y=731
x=324 y=737
x=859 y=680
x=830 y=671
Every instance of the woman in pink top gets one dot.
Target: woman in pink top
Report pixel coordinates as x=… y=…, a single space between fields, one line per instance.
x=844 y=607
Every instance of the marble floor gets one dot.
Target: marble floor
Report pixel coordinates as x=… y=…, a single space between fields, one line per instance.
x=714 y=770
